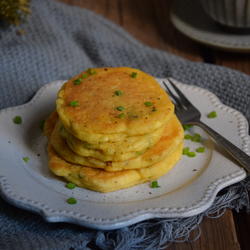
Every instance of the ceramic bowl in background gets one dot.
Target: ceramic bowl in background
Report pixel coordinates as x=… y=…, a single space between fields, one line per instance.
x=229 y=13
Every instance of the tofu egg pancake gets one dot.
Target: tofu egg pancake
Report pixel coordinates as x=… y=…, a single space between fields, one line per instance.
x=110 y=104
x=98 y=154
x=113 y=128
x=120 y=155
x=104 y=181
x=171 y=138
x=130 y=144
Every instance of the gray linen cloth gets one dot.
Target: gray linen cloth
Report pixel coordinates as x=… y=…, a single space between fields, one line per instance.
x=61 y=41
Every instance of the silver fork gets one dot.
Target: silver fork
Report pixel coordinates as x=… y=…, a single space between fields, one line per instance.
x=189 y=114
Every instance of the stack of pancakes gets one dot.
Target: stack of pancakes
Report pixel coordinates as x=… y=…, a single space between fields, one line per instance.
x=113 y=128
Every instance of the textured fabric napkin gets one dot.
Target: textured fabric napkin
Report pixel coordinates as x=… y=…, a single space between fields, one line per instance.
x=61 y=41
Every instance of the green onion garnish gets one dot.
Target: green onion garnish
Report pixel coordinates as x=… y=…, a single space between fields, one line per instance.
x=77 y=81
x=191 y=154
x=212 y=114
x=118 y=92
x=70 y=185
x=200 y=150
x=84 y=76
x=120 y=108
x=122 y=115
x=74 y=103
x=187 y=137
x=154 y=184
x=91 y=71
x=139 y=152
x=187 y=126
x=185 y=150
x=148 y=104
x=17 y=120
x=133 y=75
x=196 y=137
x=26 y=159
x=71 y=201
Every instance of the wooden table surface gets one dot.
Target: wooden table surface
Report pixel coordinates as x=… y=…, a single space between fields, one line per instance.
x=148 y=21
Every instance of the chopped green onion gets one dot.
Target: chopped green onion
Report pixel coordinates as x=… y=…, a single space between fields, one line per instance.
x=122 y=115
x=148 y=104
x=133 y=75
x=120 y=108
x=139 y=152
x=77 y=81
x=196 y=137
x=212 y=114
x=200 y=150
x=118 y=92
x=188 y=137
x=91 y=71
x=187 y=126
x=26 y=159
x=185 y=150
x=71 y=201
x=74 y=103
x=84 y=76
x=17 y=120
x=191 y=154
x=70 y=185
x=154 y=184
x=41 y=125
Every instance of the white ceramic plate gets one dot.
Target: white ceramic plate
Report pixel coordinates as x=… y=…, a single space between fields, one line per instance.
x=190 y=19
x=188 y=189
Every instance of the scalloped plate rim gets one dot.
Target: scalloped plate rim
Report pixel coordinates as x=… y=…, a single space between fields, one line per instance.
x=142 y=214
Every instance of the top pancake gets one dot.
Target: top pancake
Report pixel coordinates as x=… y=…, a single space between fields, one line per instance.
x=95 y=118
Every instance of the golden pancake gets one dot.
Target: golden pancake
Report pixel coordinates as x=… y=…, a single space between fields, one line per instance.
x=130 y=144
x=110 y=104
x=60 y=146
x=172 y=136
x=103 y=181
x=98 y=154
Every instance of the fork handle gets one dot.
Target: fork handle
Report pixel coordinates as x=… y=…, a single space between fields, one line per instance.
x=241 y=157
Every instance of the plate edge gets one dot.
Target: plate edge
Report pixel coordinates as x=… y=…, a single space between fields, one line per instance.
x=144 y=213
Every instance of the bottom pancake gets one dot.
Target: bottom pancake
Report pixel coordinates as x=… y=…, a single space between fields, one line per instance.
x=103 y=181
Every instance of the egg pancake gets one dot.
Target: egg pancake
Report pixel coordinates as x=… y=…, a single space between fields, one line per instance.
x=103 y=181
x=98 y=154
x=130 y=144
x=60 y=146
x=172 y=136
x=110 y=104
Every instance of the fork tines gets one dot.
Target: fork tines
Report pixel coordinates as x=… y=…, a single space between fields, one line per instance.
x=184 y=100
